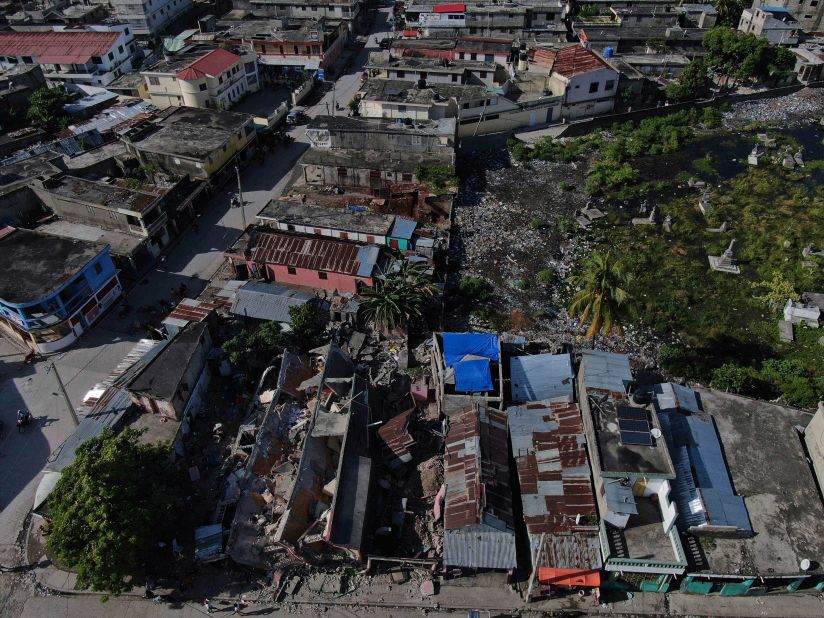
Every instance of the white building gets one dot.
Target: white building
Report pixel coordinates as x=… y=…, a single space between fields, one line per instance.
x=93 y=55
x=214 y=78
x=775 y=24
x=149 y=17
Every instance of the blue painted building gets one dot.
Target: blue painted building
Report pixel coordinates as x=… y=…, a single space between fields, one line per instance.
x=52 y=289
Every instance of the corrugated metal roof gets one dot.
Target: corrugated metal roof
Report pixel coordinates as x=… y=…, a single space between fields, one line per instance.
x=542 y=377
x=478 y=497
x=73 y=47
x=675 y=397
x=549 y=448
x=606 y=370
x=395 y=435
x=703 y=491
x=265 y=301
x=191 y=310
x=403 y=228
x=315 y=254
x=479 y=547
x=113 y=116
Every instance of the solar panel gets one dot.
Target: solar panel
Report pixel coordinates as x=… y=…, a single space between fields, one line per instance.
x=635 y=437
x=625 y=424
x=636 y=414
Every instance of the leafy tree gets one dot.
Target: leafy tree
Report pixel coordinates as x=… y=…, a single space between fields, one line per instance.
x=46 y=107
x=254 y=346
x=306 y=326
x=744 y=56
x=398 y=296
x=691 y=83
x=107 y=508
x=589 y=10
x=602 y=298
x=729 y=12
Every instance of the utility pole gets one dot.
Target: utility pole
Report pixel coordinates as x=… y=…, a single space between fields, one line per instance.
x=75 y=420
x=240 y=198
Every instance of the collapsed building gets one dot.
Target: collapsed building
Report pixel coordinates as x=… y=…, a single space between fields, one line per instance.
x=305 y=486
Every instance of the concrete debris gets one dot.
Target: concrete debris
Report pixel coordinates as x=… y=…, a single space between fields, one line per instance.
x=791 y=109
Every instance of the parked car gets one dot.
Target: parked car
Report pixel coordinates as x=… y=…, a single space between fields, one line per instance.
x=296 y=116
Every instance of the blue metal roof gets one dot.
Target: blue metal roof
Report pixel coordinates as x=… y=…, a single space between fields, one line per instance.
x=674 y=397
x=542 y=376
x=606 y=370
x=265 y=301
x=403 y=228
x=368 y=258
x=702 y=487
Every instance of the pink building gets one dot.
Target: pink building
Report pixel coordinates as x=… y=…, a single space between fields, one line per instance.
x=307 y=261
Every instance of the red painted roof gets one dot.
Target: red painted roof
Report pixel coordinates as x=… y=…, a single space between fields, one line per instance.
x=57 y=47
x=410 y=33
x=211 y=64
x=449 y=8
x=568 y=61
x=307 y=252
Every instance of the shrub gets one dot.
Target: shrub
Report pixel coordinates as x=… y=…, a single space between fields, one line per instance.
x=566 y=185
x=567 y=226
x=536 y=223
x=474 y=289
x=546 y=277
x=732 y=378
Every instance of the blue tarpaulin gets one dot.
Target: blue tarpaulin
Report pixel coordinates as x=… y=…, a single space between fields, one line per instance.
x=473 y=375
x=458 y=345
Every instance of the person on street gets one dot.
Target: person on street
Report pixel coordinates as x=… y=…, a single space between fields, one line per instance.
x=207 y=606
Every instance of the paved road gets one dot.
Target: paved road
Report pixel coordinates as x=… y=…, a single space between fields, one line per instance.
x=193 y=260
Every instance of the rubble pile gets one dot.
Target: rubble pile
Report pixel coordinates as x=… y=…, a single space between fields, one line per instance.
x=795 y=107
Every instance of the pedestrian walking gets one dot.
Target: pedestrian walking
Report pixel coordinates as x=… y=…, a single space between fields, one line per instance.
x=207 y=606
x=236 y=608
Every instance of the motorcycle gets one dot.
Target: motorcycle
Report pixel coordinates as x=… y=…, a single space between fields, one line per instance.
x=23 y=421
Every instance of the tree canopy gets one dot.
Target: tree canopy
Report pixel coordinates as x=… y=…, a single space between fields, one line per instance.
x=398 y=296
x=745 y=56
x=306 y=326
x=254 y=346
x=46 y=107
x=691 y=83
x=603 y=299
x=729 y=11
x=107 y=508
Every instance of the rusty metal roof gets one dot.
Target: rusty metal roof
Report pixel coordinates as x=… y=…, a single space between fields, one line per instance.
x=315 y=254
x=549 y=447
x=395 y=434
x=191 y=310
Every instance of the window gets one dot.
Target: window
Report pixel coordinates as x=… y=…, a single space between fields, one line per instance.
x=400 y=74
x=317 y=231
x=202 y=87
x=483 y=74
x=814 y=3
x=610 y=84
x=593 y=87
x=416 y=140
x=27 y=60
x=462 y=55
x=454 y=77
x=406 y=177
x=120 y=49
x=491 y=117
x=473 y=56
x=111 y=55
x=98 y=268
x=323 y=276
x=489 y=58
x=126 y=32
x=401 y=108
x=290 y=227
x=291 y=270
x=344 y=236
x=97 y=60
x=154 y=81
x=220 y=79
x=370 y=240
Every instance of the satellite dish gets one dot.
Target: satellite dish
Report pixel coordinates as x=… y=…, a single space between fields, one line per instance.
x=805 y=565
x=655 y=433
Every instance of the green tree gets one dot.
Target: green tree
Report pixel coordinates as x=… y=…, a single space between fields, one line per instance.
x=691 y=82
x=306 y=325
x=602 y=298
x=255 y=346
x=474 y=289
x=398 y=296
x=438 y=177
x=107 y=508
x=744 y=56
x=729 y=11
x=46 y=107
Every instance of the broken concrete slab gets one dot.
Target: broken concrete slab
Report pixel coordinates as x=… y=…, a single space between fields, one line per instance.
x=428 y=588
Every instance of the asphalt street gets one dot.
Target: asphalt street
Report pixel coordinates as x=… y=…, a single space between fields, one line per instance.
x=193 y=260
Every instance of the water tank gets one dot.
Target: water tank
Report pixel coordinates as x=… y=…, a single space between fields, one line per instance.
x=609 y=52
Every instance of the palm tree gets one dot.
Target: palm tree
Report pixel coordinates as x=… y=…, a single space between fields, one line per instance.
x=602 y=298
x=398 y=295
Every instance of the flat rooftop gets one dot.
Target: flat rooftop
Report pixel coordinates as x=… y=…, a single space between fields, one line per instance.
x=193 y=132
x=35 y=264
x=769 y=469
x=403 y=91
x=391 y=160
x=617 y=453
x=443 y=126
x=100 y=194
x=382 y=60
x=644 y=537
x=120 y=242
x=302 y=213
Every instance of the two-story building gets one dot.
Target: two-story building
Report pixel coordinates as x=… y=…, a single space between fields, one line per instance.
x=92 y=55
x=190 y=140
x=53 y=289
x=347 y=11
x=149 y=18
x=214 y=78
x=382 y=65
x=775 y=24
x=285 y=51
